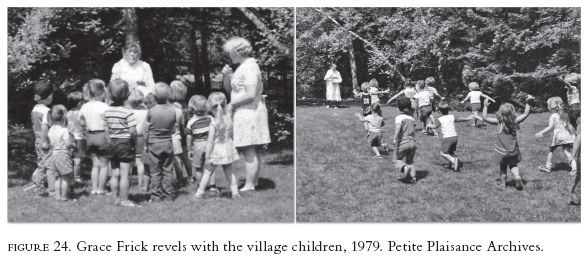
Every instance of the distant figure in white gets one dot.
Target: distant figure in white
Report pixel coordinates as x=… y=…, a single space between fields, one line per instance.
x=333 y=79
x=132 y=70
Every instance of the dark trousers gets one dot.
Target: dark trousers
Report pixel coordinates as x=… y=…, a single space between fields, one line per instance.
x=161 y=159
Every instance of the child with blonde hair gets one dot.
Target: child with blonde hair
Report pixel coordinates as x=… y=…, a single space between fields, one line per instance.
x=141 y=159
x=506 y=149
x=375 y=91
x=373 y=124
x=197 y=137
x=75 y=100
x=572 y=83
x=60 y=163
x=474 y=96
x=220 y=149
x=562 y=132
x=366 y=99
x=176 y=98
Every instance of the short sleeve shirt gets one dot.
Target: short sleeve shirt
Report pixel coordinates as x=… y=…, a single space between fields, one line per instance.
x=407 y=125
x=93 y=113
x=119 y=119
x=423 y=98
x=38 y=115
x=74 y=126
x=198 y=127
x=374 y=123
x=447 y=123
x=409 y=92
x=162 y=119
x=475 y=96
x=140 y=116
x=373 y=91
x=59 y=138
x=432 y=92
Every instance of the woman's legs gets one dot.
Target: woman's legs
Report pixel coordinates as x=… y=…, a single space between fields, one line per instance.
x=252 y=167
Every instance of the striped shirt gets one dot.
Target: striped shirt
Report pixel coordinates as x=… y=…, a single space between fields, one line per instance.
x=119 y=119
x=198 y=127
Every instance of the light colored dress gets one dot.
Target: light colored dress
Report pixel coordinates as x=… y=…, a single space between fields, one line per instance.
x=250 y=122
x=333 y=80
x=139 y=72
x=561 y=135
x=224 y=151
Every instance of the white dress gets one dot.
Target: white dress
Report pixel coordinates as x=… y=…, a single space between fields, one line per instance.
x=250 y=122
x=333 y=80
x=138 y=72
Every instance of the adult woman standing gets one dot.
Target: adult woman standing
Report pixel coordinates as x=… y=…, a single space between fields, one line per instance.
x=333 y=79
x=131 y=69
x=250 y=121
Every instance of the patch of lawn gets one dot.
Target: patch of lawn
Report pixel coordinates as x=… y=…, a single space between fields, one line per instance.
x=339 y=181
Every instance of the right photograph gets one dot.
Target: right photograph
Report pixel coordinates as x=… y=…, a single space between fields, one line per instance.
x=438 y=114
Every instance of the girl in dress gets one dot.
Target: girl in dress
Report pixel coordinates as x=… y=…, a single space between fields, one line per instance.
x=506 y=148
x=562 y=132
x=220 y=149
x=60 y=163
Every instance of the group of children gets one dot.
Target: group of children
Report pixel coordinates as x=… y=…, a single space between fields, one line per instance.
x=420 y=99
x=119 y=127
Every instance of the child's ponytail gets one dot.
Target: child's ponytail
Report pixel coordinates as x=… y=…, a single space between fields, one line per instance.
x=217 y=103
x=557 y=104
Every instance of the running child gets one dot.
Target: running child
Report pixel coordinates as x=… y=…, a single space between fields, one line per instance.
x=423 y=99
x=375 y=91
x=572 y=83
x=449 y=143
x=474 y=96
x=60 y=163
x=141 y=158
x=408 y=92
x=75 y=100
x=374 y=123
x=506 y=148
x=219 y=149
x=197 y=137
x=366 y=99
x=404 y=139
x=562 y=132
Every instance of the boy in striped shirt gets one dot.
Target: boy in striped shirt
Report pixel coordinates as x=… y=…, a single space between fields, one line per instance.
x=197 y=137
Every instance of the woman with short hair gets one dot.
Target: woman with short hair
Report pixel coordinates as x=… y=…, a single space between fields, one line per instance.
x=131 y=69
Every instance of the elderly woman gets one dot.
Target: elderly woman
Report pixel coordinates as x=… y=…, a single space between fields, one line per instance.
x=135 y=72
x=333 y=79
x=250 y=122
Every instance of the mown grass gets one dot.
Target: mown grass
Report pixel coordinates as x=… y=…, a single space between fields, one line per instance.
x=339 y=181
x=274 y=202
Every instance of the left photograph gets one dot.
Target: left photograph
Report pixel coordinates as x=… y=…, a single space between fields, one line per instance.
x=150 y=115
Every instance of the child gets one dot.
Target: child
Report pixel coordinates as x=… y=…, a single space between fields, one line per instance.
x=159 y=127
x=97 y=134
x=220 y=149
x=562 y=129
x=404 y=139
x=178 y=94
x=121 y=123
x=197 y=137
x=60 y=164
x=141 y=160
x=75 y=101
x=423 y=99
x=150 y=101
x=474 y=96
x=375 y=92
x=429 y=82
x=409 y=92
x=366 y=99
x=506 y=151
x=575 y=193
x=43 y=97
x=572 y=82
x=449 y=143
x=374 y=123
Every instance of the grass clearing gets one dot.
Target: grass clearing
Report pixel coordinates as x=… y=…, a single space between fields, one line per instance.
x=274 y=202
x=339 y=181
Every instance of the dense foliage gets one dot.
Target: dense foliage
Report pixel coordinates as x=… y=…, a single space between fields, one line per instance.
x=507 y=50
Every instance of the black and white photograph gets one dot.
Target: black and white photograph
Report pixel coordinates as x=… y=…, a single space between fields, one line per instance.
x=150 y=114
x=421 y=114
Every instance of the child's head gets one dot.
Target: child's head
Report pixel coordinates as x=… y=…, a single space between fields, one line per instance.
x=507 y=115
x=198 y=105
x=43 y=91
x=374 y=83
x=443 y=108
x=474 y=86
x=161 y=91
x=408 y=83
x=119 y=91
x=95 y=89
x=573 y=79
x=178 y=91
x=136 y=98
x=556 y=105
x=430 y=81
x=150 y=101
x=420 y=83
x=74 y=100
x=216 y=102
x=365 y=87
x=404 y=105
x=58 y=115
x=376 y=109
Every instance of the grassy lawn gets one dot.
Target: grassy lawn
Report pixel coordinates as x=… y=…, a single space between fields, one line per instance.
x=339 y=181
x=274 y=202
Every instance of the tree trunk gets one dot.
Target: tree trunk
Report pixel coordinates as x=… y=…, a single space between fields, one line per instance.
x=352 y=63
x=205 y=62
x=131 y=25
x=268 y=33
x=197 y=69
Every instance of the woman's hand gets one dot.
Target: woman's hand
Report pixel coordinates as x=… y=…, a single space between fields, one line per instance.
x=227 y=70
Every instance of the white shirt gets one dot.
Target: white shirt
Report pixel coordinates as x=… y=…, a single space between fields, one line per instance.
x=333 y=77
x=475 y=96
x=138 y=72
x=447 y=123
x=140 y=117
x=373 y=91
x=423 y=98
x=93 y=113
x=374 y=123
x=573 y=95
x=74 y=126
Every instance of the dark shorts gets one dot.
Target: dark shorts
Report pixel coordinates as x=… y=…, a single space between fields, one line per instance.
x=426 y=111
x=59 y=164
x=375 y=139
x=97 y=145
x=449 y=144
x=504 y=160
x=367 y=111
x=574 y=114
x=198 y=152
x=139 y=146
x=476 y=107
x=405 y=150
x=121 y=150
x=80 y=151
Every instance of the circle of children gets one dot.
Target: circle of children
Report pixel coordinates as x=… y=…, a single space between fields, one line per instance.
x=419 y=99
x=118 y=127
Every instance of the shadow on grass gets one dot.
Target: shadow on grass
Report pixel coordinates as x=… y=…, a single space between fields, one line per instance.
x=281 y=160
x=561 y=166
x=263 y=184
x=142 y=197
x=420 y=174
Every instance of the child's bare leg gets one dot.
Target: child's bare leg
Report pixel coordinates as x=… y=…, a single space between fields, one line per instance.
x=567 y=149
x=56 y=184
x=102 y=174
x=94 y=173
x=140 y=170
x=77 y=167
x=375 y=149
x=51 y=183
x=502 y=175
x=228 y=169
x=515 y=171
x=146 y=177
x=447 y=156
x=432 y=119
x=65 y=180
x=179 y=169
x=204 y=181
x=114 y=184
x=124 y=184
x=548 y=163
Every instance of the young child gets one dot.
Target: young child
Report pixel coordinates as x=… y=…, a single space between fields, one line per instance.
x=159 y=127
x=176 y=98
x=374 y=123
x=374 y=91
x=474 y=96
x=141 y=160
x=150 y=101
x=429 y=85
x=60 y=164
x=97 y=134
x=562 y=132
x=408 y=92
x=43 y=97
x=404 y=139
x=75 y=100
x=121 y=123
x=449 y=143
x=220 y=149
x=572 y=83
x=506 y=151
x=366 y=99
x=423 y=99
x=197 y=137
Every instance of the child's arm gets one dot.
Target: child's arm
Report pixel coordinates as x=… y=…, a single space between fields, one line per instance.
x=394 y=97
x=488 y=97
x=466 y=98
x=436 y=125
x=524 y=116
x=189 y=146
x=227 y=75
x=549 y=127
x=146 y=131
x=436 y=93
x=567 y=85
x=485 y=114
x=396 y=133
x=361 y=118
x=209 y=145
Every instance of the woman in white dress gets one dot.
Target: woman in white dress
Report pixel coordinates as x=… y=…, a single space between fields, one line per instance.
x=333 y=79
x=250 y=120
x=135 y=72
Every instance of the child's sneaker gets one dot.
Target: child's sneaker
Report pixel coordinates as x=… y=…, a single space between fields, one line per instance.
x=199 y=195
x=455 y=164
x=519 y=182
x=214 y=189
x=128 y=203
x=544 y=169
x=574 y=168
x=412 y=181
x=377 y=157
